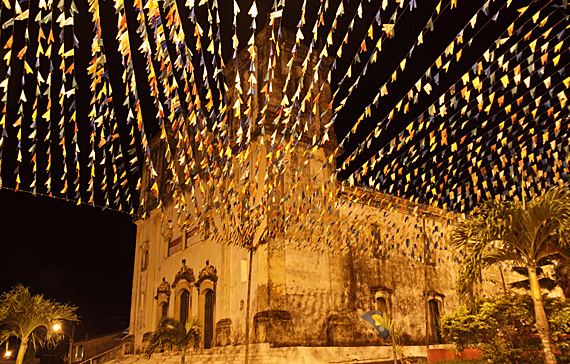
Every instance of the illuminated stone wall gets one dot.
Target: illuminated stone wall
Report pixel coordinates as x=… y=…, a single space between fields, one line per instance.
x=311 y=284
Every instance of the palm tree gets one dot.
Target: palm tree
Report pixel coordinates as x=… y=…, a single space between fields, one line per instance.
x=171 y=332
x=524 y=233
x=560 y=278
x=30 y=318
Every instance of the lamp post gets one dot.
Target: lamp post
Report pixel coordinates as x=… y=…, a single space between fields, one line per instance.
x=57 y=327
x=8 y=353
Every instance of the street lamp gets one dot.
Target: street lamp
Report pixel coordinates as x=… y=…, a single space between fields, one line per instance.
x=8 y=353
x=57 y=328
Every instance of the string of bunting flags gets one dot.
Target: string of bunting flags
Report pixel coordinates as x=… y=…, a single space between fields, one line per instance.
x=477 y=69
x=411 y=95
x=247 y=151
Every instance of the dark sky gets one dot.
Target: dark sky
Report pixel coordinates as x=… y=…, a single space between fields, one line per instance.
x=73 y=254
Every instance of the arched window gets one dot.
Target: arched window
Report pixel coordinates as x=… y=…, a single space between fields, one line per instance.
x=164 y=309
x=207 y=304
x=209 y=319
x=144 y=260
x=383 y=300
x=381 y=305
x=184 y=306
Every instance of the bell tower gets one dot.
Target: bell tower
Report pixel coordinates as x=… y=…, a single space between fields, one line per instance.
x=280 y=102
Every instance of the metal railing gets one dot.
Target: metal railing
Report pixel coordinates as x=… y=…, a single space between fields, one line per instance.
x=100 y=358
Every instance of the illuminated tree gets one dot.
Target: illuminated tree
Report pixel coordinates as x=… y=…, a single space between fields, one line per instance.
x=523 y=233
x=31 y=319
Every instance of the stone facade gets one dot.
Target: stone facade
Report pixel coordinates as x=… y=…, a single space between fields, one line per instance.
x=300 y=297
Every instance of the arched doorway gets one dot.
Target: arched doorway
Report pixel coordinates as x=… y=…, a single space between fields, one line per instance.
x=183 y=297
x=206 y=285
x=435 y=332
x=208 y=319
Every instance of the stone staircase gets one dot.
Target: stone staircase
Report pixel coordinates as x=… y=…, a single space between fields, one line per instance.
x=265 y=354
x=258 y=354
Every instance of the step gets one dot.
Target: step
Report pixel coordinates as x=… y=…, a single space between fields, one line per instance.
x=265 y=354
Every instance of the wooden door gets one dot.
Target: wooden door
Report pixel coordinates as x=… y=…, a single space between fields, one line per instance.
x=184 y=306
x=209 y=319
x=435 y=334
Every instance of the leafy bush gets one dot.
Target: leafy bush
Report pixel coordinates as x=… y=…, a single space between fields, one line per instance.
x=558 y=312
x=503 y=328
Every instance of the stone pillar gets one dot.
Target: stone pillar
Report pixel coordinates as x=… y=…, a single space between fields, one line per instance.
x=272 y=322
x=340 y=329
x=224 y=297
x=276 y=276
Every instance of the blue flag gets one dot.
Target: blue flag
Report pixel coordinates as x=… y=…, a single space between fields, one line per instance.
x=375 y=319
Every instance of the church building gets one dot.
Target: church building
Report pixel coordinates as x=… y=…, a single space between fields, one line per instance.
x=299 y=296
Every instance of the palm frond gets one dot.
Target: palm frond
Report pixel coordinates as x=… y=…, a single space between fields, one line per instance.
x=499 y=231
x=545 y=282
x=497 y=255
x=192 y=336
x=563 y=265
x=172 y=333
x=31 y=317
x=469 y=274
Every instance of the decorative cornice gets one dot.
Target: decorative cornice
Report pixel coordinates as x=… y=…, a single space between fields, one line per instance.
x=208 y=272
x=185 y=273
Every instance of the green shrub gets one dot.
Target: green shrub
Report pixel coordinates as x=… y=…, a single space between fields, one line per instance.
x=558 y=312
x=503 y=328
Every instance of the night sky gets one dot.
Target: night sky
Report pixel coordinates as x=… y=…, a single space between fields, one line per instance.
x=73 y=254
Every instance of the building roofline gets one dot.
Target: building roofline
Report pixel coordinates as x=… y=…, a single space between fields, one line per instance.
x=375 y=198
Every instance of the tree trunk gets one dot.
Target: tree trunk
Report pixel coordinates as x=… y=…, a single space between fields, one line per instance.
x=183 y=356
x=248 y=304
x=394 y=345
x=426 y=285
x=541 y=320
x=22 y=352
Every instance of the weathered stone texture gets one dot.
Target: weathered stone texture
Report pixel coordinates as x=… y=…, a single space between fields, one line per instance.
x=224 y=332
x=299 y=297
